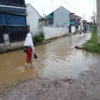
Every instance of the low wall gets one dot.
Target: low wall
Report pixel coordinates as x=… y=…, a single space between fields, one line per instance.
x=12 y=46
x=17 y=45
x=2 y=48
x=53 y=32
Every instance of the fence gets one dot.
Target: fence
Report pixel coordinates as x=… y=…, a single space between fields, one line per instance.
x=1 y=33
x=53 y=32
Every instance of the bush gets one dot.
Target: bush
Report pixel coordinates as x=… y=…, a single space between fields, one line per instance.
x=92 y=45
x=94 y=36
x=39 y=38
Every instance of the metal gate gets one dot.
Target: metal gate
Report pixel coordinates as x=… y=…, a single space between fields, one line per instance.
x=1 y=34
x=17 y=33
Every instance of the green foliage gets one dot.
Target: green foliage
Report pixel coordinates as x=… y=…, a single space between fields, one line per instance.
x=92 y=45
x=94 y=36
x=39 y=38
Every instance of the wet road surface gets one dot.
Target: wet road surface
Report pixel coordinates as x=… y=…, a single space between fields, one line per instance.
x=56 y=60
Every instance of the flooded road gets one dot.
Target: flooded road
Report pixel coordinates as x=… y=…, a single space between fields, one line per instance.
x=56 y=60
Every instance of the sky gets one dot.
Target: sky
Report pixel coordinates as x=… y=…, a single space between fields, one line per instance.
x=83 y=8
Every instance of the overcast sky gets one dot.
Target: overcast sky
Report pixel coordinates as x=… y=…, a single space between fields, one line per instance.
x=84 y=8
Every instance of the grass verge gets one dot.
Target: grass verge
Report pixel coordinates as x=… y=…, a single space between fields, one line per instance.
x=92 y=45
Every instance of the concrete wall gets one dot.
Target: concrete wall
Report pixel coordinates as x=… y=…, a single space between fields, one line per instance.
x=16 y=45
x=2 y=48
x=32 y=19
x=53 y=32
x=62 y=17
x=12 y=46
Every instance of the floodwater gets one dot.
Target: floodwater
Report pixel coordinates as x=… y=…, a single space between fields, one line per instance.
x=57 y=59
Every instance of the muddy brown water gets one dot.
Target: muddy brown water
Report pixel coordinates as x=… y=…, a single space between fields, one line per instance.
x=56 y=60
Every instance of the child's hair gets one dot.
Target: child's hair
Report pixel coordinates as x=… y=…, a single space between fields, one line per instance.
x=28 y=28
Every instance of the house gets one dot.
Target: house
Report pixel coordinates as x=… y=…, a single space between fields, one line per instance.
x=33 y=19
x=12 y=22
x=59 y=18
x=75 y=22
x=39 y=24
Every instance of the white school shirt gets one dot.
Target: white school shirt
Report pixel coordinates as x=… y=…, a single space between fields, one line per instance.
x=29 y=41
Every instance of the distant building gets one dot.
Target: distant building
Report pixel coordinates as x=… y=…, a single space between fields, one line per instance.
x=59 y=18
x=75 y=21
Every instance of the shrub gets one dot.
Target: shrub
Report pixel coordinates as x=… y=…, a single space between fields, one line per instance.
x=92 y=45
x=39 y=38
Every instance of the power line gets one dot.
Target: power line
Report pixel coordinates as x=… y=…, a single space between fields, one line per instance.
x=52 y=5
x=94 y=6
x=65 y=2
x=94 y=9
x=90 y=6
x=83 y=16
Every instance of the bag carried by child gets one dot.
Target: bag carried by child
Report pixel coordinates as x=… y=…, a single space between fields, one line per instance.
x=26 y=49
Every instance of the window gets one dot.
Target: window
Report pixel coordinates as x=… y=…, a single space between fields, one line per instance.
x=16 y=20
x=2 y=19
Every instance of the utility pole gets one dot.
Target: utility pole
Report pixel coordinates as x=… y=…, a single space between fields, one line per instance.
x=83 y=17
x=94 y=17
x=52 y=11
x=98 y=19
x=53 y=16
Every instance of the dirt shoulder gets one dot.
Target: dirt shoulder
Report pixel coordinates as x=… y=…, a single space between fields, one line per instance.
x=87 y=87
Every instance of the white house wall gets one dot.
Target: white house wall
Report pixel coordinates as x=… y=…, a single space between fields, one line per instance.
x=62 y=17
x=32 y=19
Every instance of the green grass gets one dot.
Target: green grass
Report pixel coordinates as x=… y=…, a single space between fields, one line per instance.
x=94 y=37
x=39 y=38
x=92 y=45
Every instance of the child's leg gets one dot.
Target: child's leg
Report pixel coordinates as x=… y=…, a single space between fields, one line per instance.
x=28 y=58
